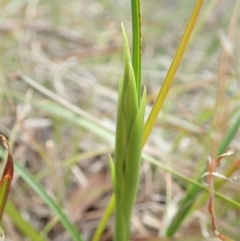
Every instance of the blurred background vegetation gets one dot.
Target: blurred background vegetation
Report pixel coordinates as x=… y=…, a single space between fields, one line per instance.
x=60 y=64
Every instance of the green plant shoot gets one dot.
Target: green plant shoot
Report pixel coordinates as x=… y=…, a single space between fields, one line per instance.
x=162 y=93
x=7 y=176
x=128 y=146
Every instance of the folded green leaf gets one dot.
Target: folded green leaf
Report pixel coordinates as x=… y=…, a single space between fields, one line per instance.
x=128 y=146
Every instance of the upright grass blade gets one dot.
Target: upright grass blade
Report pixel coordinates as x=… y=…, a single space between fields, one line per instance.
x=136 y=44
x=7 y=176
x=171 y=72
x=31 y=181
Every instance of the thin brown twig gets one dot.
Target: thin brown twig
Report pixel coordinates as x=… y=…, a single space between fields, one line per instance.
x=212 y=166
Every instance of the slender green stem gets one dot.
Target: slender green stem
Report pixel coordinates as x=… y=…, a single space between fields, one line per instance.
x=107 y=214
x=136 y=44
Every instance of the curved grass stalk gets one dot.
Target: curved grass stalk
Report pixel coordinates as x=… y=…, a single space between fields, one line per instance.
x=35 y=185
x=171 y=72
x=22 y=225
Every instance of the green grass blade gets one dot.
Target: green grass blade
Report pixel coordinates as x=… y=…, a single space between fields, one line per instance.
x=187 y=204
x=171 y=72
x=21 y=224
x=194 y=182
x=107 y=214
x=229 y=136
x=136 y=44
x=31 y=181
x=184 y=208
x=110 y=208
